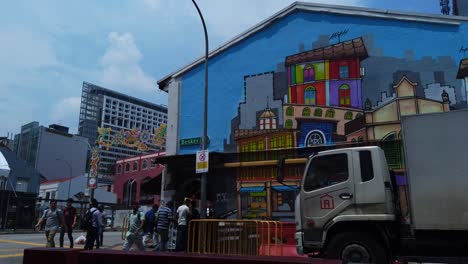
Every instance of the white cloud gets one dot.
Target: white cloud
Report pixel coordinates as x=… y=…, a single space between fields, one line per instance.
x=120 y=64
x=65 y=109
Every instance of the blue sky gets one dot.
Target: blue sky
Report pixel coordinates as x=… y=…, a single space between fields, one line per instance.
x=50 y=47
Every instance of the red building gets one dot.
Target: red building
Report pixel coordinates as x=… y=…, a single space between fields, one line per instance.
x=138 y=179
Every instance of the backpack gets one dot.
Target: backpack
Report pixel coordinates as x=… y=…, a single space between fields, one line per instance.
x=87 y=220
x=148 y=221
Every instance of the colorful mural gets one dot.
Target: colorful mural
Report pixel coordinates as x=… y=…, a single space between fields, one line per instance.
x=135 y=138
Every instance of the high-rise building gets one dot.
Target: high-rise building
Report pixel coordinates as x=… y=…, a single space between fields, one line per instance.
x=104 y=108
x=50 y=150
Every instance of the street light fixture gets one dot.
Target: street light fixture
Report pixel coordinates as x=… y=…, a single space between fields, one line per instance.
x=71 y=174
x=205 y=116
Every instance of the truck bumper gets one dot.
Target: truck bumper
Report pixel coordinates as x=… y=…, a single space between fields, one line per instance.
x=299 y=244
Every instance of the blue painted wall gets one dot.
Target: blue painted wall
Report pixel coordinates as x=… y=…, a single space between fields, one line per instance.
x=263 y=51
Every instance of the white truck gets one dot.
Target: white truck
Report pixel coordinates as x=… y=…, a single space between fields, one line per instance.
x=349 y=208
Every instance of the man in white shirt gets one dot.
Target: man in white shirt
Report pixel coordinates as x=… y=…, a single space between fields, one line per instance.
x=182 y=214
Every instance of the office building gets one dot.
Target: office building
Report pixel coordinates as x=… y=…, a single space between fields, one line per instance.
x=104 y=108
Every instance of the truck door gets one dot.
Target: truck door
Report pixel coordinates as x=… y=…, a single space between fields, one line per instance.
x=327 y=189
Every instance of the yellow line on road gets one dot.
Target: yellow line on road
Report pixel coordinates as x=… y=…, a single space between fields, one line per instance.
x=21 y=242
x=11 y=255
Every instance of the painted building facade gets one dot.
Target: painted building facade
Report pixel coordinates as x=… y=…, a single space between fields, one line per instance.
x=312 y=75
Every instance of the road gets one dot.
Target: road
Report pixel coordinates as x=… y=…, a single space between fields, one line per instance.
x=12 y=245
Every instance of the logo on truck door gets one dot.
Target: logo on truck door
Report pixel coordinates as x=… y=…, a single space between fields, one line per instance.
x=327 y=202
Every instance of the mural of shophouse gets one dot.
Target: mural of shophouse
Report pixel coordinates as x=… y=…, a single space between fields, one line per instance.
x=383 y=123
x=324 y=91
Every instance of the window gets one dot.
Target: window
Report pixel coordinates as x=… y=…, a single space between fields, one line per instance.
x=288 y=124
x=53 y=194
x=145 y=164
x=135 y=166
x=127 y=167
x=153 y=163
x=119 y=169
x=348 y=116
x=365 y=161
x=330 y=113
x=289 y=111
x=310 y=95
x=344 y=72
x=309 y=74
x=358 y=115
x=360 y=139
x=344 y=95
x=306 y=111
x=326 y=171
x=318 y=112
x=315 y=138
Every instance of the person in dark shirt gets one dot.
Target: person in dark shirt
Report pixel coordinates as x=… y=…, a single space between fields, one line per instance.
x=69 y=216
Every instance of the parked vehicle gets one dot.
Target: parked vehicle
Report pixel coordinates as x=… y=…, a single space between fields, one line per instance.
x=349 y=207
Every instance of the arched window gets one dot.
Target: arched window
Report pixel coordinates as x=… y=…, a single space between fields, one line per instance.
x=315 y=138
x=135 y=166
x=306 y=111
x=318 y=112
x=345 y=95
x=310 y=95
x=330 y=113
x=119 y=169
x=360 y=139
x=153 y=163
x=358 y=115
x=127 y=167
x=289 y=111
x=288 y=124
x=145 y=164
x=309 y=73
x=353 y=140
x=348 y=115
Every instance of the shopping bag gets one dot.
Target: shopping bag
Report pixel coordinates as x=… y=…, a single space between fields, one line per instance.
x=81 y=240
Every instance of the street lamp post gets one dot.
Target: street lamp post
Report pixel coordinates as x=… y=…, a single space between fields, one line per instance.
x=71 y=174
x=205 y=115
x=87 y=180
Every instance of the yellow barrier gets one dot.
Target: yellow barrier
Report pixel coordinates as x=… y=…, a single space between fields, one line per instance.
x=235 y=237
x=125 y=227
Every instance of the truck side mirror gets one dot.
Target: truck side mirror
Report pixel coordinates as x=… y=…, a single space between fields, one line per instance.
x=281 y=168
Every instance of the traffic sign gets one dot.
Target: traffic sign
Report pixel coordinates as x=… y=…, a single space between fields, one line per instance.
x=202 y=161
x=92 y=183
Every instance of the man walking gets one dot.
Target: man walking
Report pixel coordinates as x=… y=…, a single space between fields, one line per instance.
x=53 y=221
x=149 y=226
x=135 y=228
x=93 y=222
x=69 y=216
x=163 y=220
x=183 y=213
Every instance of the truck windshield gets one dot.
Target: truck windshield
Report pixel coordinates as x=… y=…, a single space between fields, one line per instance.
x=326 y=171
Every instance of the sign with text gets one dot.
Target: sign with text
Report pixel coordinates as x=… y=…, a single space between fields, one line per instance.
x=202 y=161
x=192 y=141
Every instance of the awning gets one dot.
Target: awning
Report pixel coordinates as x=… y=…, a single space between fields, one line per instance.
x=252 y=189
x=282 y=188
x=4 y=167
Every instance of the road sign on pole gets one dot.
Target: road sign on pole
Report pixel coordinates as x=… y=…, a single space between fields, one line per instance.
x=202 y=161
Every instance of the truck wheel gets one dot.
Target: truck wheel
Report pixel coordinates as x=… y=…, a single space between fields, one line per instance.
x=356 y=247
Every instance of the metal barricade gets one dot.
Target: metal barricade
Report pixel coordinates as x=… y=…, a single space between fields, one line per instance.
x=235 y=237
x=125 y=227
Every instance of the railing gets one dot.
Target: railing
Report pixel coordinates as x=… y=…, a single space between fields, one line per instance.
x=235 y=237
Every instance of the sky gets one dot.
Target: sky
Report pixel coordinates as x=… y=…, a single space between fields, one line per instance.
x=49 y=47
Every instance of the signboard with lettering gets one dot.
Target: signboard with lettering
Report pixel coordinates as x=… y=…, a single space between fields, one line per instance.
x=202 y=161
x=192 y=141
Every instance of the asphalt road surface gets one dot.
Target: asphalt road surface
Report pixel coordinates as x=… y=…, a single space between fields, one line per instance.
x=12 y=245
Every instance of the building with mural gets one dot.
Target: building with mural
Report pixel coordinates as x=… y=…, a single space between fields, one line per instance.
x=310 y=76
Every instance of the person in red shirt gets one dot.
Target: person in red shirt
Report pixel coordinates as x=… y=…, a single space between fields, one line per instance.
x=69 y=215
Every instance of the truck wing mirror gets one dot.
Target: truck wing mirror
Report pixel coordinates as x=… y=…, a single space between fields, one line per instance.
x=281 y=169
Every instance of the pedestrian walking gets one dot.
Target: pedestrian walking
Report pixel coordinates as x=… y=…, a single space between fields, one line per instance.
x=92 y=223
x=69 y=217
x=135 y=229
x=148 y=229
x=163 y=219
x=183 y=213
x=53 y=221
x=102 y=225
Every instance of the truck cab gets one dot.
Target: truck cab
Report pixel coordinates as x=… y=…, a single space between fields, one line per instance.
x=345 y=205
